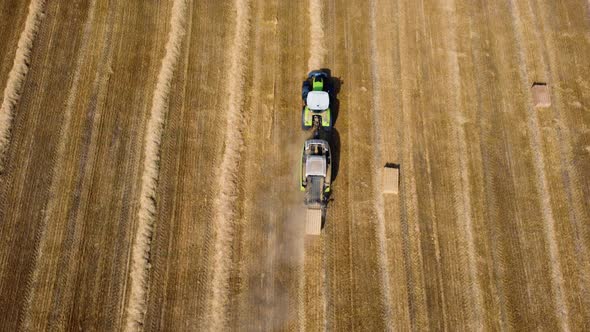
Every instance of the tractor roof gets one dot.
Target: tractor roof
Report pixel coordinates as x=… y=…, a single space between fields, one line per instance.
x=318 y=100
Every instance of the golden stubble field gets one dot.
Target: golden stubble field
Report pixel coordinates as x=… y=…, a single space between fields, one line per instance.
x=149 y=156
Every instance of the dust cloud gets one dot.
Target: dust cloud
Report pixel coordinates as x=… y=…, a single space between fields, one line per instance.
x=276 y=273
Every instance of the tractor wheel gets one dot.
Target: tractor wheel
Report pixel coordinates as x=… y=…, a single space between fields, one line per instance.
x=303 y=126
x=329 y=126
x=305 y=90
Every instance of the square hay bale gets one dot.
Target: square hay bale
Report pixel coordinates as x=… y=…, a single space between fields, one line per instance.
x=391 y=179
x=541 y=95
x=313 y=222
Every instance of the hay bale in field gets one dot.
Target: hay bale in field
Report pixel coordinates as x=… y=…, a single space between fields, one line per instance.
x=313 y=222
x=541 y=96
x=391 y=178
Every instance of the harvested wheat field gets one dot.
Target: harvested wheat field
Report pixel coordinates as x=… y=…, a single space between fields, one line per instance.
x=149 y=155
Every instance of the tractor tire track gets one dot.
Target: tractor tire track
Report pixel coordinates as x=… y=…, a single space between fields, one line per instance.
x=560 y=306
x=317 y=48
x=193 y=145
x=515 y=220
x=338 y=298
x=263 y=221
x=224 y=206
x=31 y=157
x=18 y=74
x=486 y=69
x=356 y=208
x=313 y=300
x=315 y=318
x=388 y=57
x=73 y=220
x=467 y=115
x=463 y=202
x=140 y=264
x=413 y=260
x=27 y=322
x=429 y=212
x=81 y=279
x=560 y=65
x=377 y=142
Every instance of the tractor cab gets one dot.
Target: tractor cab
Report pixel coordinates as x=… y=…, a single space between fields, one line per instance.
x=316 y=101
x=317 y=80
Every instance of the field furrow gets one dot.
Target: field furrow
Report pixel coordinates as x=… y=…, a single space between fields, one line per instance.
x=14 y=15
x=152 y=150
x=191 y=152
x=141 y=250
x=14 y=80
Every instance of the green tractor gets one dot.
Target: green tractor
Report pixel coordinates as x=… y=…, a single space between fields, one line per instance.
x=316 y=94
